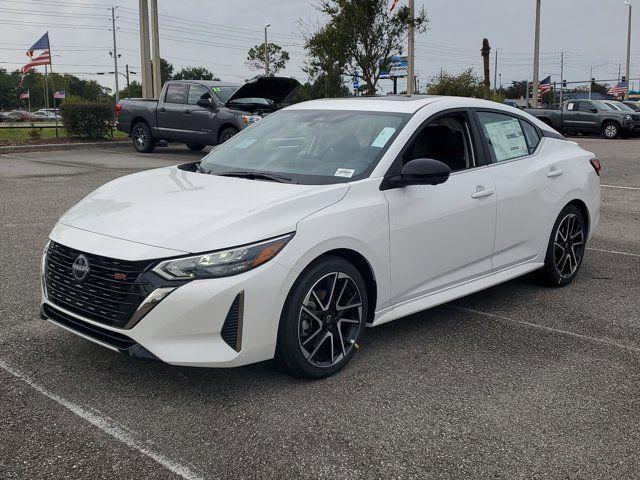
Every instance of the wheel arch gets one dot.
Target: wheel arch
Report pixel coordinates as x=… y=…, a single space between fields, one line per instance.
x=580 y=205
x=608 y=120
x=223 y=127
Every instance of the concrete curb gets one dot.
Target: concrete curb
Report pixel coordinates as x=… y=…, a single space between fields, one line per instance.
x=63 y=146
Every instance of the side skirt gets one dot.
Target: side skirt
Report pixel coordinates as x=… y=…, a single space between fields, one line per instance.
x=451 y=293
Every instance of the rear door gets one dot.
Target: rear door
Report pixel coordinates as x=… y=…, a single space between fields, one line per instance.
x=529 y=184
x=171 y=124
x=571 y=116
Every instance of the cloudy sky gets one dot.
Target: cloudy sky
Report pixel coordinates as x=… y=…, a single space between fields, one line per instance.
x=217 y=34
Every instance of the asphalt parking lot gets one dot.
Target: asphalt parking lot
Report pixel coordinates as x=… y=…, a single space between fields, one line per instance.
x=518 y=381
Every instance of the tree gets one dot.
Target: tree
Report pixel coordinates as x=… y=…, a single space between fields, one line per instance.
x=486 y=50
x=517 y=89
x=319 y=87
x=195 y=73
x=166 y=70
x=278 y=58
x=465 y=84
x=135 y=88
x=361 y=35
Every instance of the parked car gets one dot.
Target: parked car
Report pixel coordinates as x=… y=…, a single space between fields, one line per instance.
x=322 y=219
x=591 y=116
x=200 y=113
x=45 y=115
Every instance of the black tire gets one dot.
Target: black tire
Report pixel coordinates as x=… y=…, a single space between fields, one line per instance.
x=308 y=333
x=143 y=141
x=226 y=134
x=195 y=147
x=611 y=130
x=566 y=248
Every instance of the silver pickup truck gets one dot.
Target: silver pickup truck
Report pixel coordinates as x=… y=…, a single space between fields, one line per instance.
x=590 y=116
x=200 y=112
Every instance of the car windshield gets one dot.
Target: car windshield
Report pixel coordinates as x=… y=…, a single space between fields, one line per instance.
x=604 y=106
x=310 y=146
x=224 y=93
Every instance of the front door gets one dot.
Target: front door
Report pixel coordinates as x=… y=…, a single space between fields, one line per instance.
x=442 y=235
x=171 y=124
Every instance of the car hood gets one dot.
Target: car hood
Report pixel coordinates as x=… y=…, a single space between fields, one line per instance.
x=194 y=212
x=275 y=89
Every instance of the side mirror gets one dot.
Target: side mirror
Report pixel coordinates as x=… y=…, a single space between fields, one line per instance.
x=205 y=102
x=421 y=171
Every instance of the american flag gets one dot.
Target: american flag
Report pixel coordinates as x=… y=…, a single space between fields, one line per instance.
x=42 y=59
x=545 y=86
x=41 y=44
x=393 y=5
x=25 y=95
x=619 y=90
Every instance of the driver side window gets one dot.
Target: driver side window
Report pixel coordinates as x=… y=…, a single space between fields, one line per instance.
x=447 y=139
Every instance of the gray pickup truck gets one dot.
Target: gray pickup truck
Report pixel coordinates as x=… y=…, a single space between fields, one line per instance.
x=200 y=112
x=590 y=116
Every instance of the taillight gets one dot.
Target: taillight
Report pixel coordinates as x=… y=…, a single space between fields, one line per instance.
x=118 y=109
x=597 y=166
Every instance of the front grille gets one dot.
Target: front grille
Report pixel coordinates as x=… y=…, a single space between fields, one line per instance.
x=110 y=293
x=113 y=339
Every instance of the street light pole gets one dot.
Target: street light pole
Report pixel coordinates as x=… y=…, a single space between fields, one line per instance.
x=115 y=51
x=266 y=50
x=411 y=51
x=536 y=57
x=495 y=73
x=628 y=77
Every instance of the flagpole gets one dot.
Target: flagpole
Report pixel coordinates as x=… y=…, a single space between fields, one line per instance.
x=52 y=87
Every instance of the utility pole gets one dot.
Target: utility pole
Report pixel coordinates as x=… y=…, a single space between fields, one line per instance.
x=411 y=50
x=628 y=71
x=156 y=63
x=536 y=57
x=115 y=51
x=495 y=73
x=561 y=76
x=266 y=50
x=128 y=84
x=145 y=54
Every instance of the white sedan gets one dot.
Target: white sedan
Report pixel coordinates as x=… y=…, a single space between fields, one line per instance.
x=320 y=220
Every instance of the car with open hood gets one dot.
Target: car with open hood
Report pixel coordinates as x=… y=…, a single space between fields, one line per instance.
x=322 y=219
x=200 y=112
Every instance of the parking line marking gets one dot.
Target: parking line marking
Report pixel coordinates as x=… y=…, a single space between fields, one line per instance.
x=107 y=425
x=68 y=164
x=615 y=252
x=502 y=318
x=621 y=187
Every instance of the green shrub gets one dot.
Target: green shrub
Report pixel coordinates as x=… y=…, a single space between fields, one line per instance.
x=35 y=133
x=82 y=118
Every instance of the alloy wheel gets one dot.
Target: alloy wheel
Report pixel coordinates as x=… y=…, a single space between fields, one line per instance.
x=329 y=319
x=568 y=245
x=611 y=131
x=140 y=137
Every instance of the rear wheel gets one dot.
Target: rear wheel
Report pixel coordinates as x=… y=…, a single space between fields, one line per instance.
x=323 y=319
x=195 y=147
x=611 y=130
x=227 y=133
x=566 y=248
x=143 y=141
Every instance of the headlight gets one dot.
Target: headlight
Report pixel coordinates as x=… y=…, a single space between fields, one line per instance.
x=222 y=263
x=249 y=119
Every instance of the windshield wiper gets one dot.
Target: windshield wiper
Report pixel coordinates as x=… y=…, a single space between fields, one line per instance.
x=256 y=175
x=199 y=168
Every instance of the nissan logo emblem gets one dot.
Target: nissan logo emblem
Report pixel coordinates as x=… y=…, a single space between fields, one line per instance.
x=80 y=267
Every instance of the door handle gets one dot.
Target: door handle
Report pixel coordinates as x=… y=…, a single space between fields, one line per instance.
x=163 y=109
x=487 y=192
x=555 y=172
x=187 y=111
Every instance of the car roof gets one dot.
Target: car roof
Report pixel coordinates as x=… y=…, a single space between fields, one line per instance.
x=209 y=83
x=396 y=103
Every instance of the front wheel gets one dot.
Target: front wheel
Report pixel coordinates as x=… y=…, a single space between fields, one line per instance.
x=226 y=134
x=195 y=147
x=611 y=131
x=143 y=141
x=566 y=247
x=323 y=319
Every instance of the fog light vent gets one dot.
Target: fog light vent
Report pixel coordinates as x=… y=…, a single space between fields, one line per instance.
x=232 y=328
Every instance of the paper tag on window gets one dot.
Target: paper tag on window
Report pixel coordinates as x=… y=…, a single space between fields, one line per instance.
x=344 y=172
x=383 y=137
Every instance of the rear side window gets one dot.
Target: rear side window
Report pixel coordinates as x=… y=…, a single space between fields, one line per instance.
x=571 y=106
x=586 y=106
x=531 y=135
x=504 y=135
x=176 y=93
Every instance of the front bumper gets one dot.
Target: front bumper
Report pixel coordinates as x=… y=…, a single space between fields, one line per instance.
x=188 y=326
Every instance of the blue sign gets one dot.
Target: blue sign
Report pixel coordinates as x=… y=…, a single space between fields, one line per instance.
x=398 y=67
